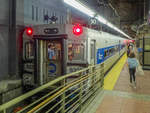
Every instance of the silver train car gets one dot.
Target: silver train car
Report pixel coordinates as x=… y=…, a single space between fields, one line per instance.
x=50 y=51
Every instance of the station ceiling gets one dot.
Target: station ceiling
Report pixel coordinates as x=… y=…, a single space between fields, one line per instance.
x=127 y=14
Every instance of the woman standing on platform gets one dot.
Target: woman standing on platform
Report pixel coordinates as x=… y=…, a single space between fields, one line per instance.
x=132 y=64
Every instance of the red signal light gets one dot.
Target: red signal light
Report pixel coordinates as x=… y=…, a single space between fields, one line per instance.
x=77 y=30
x=29 y=31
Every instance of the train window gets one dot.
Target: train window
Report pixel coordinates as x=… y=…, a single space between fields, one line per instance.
x=123 y=46
x=29 y=50
x=117 y=48
x=113 y=50
x=75 y=51
x=54 y=50
x=110 y=51
x=105 y=53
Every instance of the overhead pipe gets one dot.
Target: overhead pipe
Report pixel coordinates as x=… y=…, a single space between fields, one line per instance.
x=145 y=23
x=111 y=6
x=114 y=9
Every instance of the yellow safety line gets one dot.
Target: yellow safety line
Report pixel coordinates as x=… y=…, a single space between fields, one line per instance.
x=113 y=75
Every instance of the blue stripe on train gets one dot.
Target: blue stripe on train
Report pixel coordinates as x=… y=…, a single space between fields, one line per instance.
x=100 y=53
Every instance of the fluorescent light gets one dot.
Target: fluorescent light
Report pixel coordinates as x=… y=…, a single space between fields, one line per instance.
x=81 y=7
x=115 y=28
x=110 y=25
x=101 y=19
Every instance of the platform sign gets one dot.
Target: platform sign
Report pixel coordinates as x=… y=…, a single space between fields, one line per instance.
x=93 y=21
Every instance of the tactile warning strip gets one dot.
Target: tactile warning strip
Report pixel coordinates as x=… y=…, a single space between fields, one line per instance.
x=113 y=75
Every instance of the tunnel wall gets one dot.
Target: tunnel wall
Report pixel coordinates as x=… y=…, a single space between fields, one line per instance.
x=4 y=22
x=5 y=45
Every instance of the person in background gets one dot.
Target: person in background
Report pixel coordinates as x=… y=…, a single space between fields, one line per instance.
x=132 y=64
x=51 y=53
x=130 y=49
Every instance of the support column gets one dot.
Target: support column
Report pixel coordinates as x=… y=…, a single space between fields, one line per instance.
x=12 y=51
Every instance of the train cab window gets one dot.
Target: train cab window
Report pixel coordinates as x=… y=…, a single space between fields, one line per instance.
x=76 y=51
x=29 y=50
x=54 y=51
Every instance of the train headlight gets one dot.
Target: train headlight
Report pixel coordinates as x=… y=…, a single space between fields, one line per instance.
x=29 y=31
x=77 y=30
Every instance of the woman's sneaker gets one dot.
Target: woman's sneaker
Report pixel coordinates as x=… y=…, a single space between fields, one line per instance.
x=134 y=87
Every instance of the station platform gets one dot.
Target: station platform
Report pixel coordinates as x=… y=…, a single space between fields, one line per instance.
x=118 y=96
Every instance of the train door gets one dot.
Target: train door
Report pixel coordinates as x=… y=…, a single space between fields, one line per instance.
x=54 y=59
x=50 y=59
x=93 y=52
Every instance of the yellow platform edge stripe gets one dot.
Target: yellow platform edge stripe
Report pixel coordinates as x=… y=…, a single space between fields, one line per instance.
x=113 y=75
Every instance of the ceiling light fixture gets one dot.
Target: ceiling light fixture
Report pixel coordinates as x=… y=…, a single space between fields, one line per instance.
x=81 y=7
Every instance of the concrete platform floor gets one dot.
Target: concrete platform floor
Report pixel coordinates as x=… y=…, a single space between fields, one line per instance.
x=116 y=104
x=143 y=82
x=124 y=98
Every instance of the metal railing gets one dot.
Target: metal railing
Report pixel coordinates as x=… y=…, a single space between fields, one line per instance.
x=66 y=94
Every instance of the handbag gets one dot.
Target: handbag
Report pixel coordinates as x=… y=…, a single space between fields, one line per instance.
x=139 y=70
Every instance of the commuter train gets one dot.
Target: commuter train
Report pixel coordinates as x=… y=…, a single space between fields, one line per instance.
x=52 y=50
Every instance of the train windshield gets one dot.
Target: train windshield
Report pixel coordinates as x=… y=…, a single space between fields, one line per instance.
x=76 y=51
x=29 y=50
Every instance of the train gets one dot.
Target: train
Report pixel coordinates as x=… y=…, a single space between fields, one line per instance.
x=53 y=50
